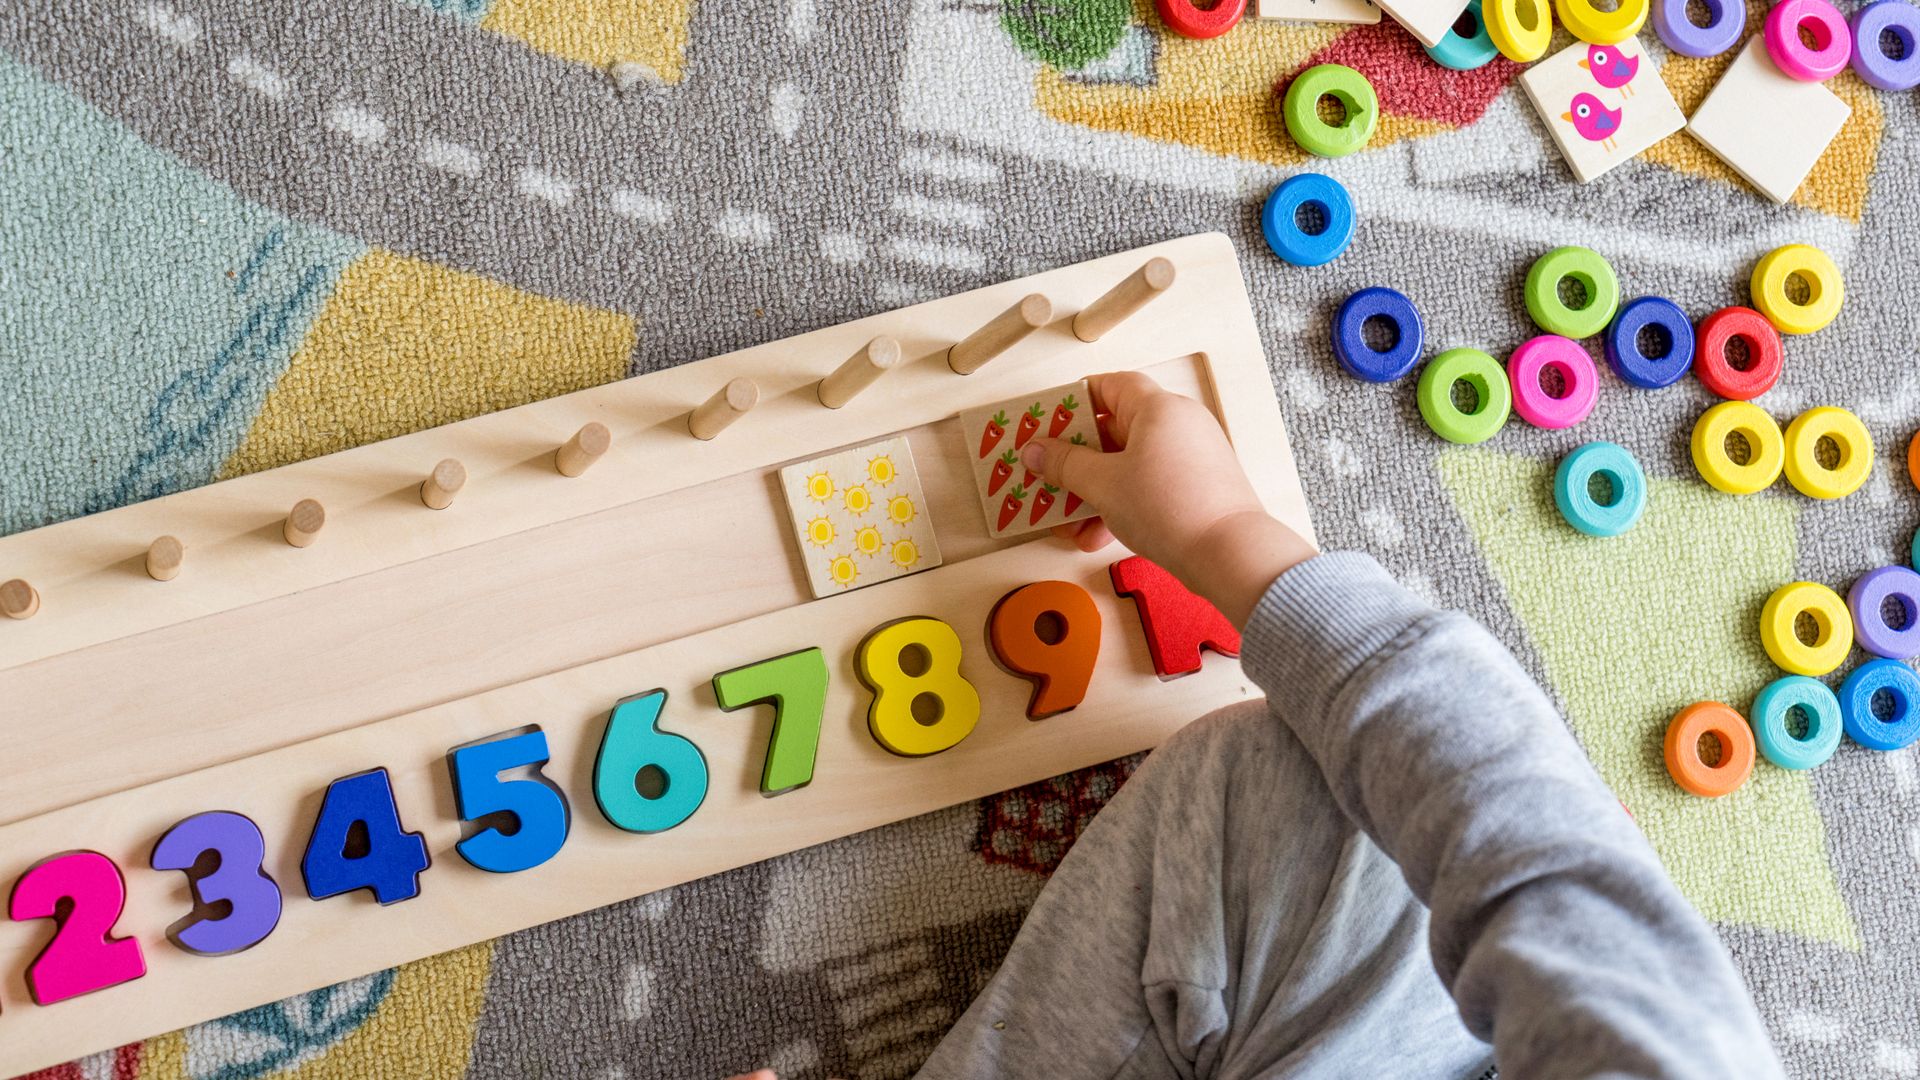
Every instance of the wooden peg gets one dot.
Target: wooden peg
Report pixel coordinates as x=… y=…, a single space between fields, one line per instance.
x=874 y=359
x=443 y=483
x=579 y=453
x=1031 y=313
x=304 y=522
x=723 y=408
x=1139 y=289
x=18 y=600
x=163 y=558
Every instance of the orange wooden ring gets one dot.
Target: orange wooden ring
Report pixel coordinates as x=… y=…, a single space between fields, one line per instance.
x=1683 y=749
x=1913 y=459
x=1062 y=669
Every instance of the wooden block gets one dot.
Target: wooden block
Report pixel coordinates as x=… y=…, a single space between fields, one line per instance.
x=723 y=408
x=1326 y=11
x=443 y=483
x=1770 y=128
x=1177 y=623
x=1007 y=328
x=1603 y=104
x=164 y=556
x=1426 y=20
x=304 y=522
x=578 y=454
x=1013 y=499
x=18 y=600
x=1134 y=292
x=859 y=371
x=860 y=516
x=1060 y=663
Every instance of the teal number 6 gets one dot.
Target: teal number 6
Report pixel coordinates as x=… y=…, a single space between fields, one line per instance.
x=635 y=752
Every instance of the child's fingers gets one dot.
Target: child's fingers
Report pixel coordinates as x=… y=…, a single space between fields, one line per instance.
x=1120 y=394
x=1089 y=535
x=1080 y=469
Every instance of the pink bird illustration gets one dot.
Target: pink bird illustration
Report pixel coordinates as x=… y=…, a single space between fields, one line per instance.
x=1611 y=69
x=1594 y=121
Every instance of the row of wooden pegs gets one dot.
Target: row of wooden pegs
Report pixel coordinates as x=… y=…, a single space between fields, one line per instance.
x=20 y=600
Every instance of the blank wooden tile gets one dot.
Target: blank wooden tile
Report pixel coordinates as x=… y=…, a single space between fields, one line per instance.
x=1427 y=20
x=1769 y=127
x=1583 y=87
x=1326 y=11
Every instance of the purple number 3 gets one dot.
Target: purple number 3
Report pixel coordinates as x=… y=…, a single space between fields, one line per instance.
x=238 y=880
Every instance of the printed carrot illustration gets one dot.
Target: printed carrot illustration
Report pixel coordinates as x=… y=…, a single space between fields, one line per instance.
x=1029 y=424
x=1062 y=416
x=1001 y=470
x=1010 y=506
x=996 y=430
x=1042 y=502
x=1073 y=503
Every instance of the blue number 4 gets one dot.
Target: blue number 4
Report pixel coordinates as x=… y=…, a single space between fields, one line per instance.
x=539 y=810
x=359 y=812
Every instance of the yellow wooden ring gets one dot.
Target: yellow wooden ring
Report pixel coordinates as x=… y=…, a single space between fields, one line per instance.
x=1835 y=625
x=1507 y=26
x=1596 y=27
x=1804 y=470
x=1767 y=450
x=1824 y=288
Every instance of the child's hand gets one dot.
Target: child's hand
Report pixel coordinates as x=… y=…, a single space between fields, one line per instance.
x=1174 y=493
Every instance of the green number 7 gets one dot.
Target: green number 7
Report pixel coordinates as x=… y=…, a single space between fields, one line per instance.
x=796 y=686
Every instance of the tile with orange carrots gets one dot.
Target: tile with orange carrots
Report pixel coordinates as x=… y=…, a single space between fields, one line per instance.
x=1014 y=499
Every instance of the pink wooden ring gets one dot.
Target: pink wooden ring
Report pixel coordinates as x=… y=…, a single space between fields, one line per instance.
x=1531 y=400
x=1832 y=39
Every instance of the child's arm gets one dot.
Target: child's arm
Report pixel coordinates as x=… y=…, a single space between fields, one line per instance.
x=1554 y=927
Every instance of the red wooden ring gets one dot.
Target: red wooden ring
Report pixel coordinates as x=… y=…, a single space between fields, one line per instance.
x=1763 y=348
x=1183 y=18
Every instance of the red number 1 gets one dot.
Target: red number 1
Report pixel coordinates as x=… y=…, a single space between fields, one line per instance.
x=1177 y=623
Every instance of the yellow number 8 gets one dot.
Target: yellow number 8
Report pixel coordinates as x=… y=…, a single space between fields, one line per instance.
x=947 y=700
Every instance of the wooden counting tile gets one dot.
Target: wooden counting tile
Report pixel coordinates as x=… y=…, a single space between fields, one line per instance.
x=860 y=516
x=1427 y=20
x=1769 y=127
x=1014 y=499
x=1327 y=11
x=1603 y=104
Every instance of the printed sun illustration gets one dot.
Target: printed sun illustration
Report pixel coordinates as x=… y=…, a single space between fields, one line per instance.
x=842 y=570
x=858 y=500
x=820 y=532
x=905 y=553
x=881 y=470
x=900 y=509
x=819 y=487
x=867 y=541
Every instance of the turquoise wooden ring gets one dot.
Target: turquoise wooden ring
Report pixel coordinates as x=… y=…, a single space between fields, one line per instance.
x=1573 y=494
x=1856 y=705
x=1466 y=53
x=1824 y=722
x=1585 y=266
x=1493 y=397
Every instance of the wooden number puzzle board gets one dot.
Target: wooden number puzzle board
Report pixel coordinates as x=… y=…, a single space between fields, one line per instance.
x=264 y=672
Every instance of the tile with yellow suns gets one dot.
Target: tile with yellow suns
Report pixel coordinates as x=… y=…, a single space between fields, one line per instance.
x=860 y=516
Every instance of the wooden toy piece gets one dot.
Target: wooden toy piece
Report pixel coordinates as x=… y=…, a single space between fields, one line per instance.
x=443 y=483
x=1913 y=459
x=1467 y=52
x=921 y=703
x=1279 y=219
x=1765 y=357
x=1492 y=396
x=578 y=454
x=1573 y=494
x=391 y=865
x=1901 y=727
x=1190 y=20
x=1007 y=328
x=1816 y=703
x=1726 y=22
x=1586 y=268
x=1520 y=29
x=1877 y=67
x=1363 y=12
x=1594 y=25
x=1177 y=624
x=1766 y=448
x=1300 y=110
x=18 y=599
x=1622 y=343
x=1868 y=599
x=1530 y=363
x=1821 y=23
x=304 y=522
x=796 y=686
x=1833 y=628
x=635 y=752
x=1804 y=469
x=1013 y=498
x=860 y=516
x=84 y=894
x=1682 y=750
x=1767 y=126
x=164 y=556
x=1363 y=361
x=1134 y=292
x=237 y=882
x=859 y=371
x=1603 y=105
x=538 y=808
x=1427 y=20
x=723 y=408
x=1062 y=667
x=1825 y=289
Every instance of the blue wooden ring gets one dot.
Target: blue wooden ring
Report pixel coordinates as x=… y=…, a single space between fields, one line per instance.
x=1824 y=722
x=1284 y=234
x=1465 y=53
x=1350 y=346
x=1856 y=705
x=1576 y=502
x=1622 y=343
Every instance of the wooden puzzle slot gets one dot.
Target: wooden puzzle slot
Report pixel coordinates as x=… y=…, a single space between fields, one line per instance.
x=1311 y=217
x=1710 y=749
x=1895 y=44
x=1654 y=341
x=1575 y=292
x=1380 y=333
x=1739 y=354
x=1603 y=489
x=1807 y=629
x=650 y=782
x=1829 y=453
x=1333 y=111
x=1738 y=449
x=1703 y=13
x=1049 y=627
x=1797 y=722
x=1897 y=612
x=928 y=709
x=1799 y=290
x=1465 y=396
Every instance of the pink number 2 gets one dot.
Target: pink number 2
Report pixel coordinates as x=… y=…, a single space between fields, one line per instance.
x=83 y=956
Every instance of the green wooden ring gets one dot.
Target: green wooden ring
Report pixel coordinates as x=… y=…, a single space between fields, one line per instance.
x=1585 y=266
x=1489 y=382
x=1301 y=110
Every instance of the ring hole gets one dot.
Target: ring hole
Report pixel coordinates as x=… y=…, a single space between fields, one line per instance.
x=1603 y=489
x=1886 y=705
x=1311 y=217
x=650 y=782
x=1799 y=723
x=1814 y=35
x=1895 y=43
x=1702 y=13
x=915 y=660
x=928 y=709
x=1206 y=5
x=1738 y=449
x=1528 y=15
x=1333 y=111
x=1465 y=396
x=1380 y=333
x=359 y=843
x=1049 y=627
x=1605 y=5
x=1466 y=26
x=1556 y=379
x=1654 y=341
x=1574 y=292
x=1827 y=451
x=1806 y=628
x=1711 y=749
x=1798 y=289
x=1897 y=612
x=1738 y=353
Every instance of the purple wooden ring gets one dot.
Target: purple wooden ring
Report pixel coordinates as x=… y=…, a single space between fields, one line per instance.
x=1832 y=40
x=1870 y=629
x=1682 y=36
x=1874 y=66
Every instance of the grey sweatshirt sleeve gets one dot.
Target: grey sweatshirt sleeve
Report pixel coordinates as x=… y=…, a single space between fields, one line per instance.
x=1554 y=927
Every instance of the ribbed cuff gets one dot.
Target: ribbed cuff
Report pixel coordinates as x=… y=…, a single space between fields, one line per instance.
x=1317 y=623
